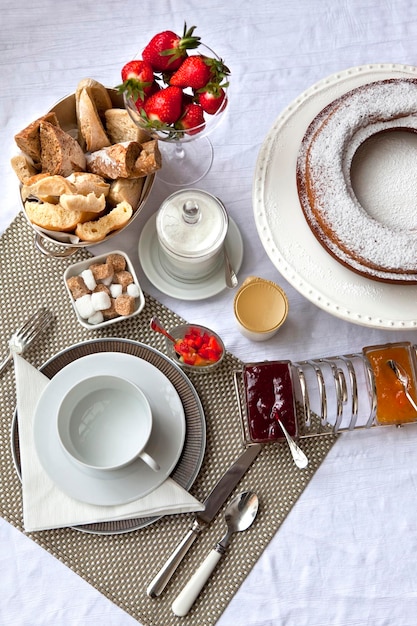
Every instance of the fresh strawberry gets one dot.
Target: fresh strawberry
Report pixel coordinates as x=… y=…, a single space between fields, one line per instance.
x=138 y=79
x=192 y=117
x=194 y=72
x=165 y=106
x=211 y=100
x=139 y=102
x=166 y=50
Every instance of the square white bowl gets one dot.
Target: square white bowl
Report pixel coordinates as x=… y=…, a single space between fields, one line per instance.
x=77 y=268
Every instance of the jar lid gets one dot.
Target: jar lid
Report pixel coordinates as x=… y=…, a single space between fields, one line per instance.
x=192 y=223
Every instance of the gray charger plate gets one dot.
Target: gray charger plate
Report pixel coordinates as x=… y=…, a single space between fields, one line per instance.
x=190 y=461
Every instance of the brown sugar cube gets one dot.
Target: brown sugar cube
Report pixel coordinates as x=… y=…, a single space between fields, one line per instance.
x=123 y=278
x=102 y=287
x=124 y=304
x=77 y=287
x=111 y=312
x=101 y=271
x=117 y=261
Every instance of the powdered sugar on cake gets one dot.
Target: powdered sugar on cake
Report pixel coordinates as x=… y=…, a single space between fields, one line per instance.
x=386 y=250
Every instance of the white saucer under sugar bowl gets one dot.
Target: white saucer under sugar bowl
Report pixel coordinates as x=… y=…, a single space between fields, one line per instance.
x=104 y=423
x=191 y=227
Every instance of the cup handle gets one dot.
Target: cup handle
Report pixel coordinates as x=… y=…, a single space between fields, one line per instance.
x=149 y=461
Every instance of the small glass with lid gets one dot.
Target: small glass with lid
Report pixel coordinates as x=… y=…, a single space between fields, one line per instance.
x=191 y=225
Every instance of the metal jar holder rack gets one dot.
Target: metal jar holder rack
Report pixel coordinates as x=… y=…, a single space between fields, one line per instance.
x=332 y=394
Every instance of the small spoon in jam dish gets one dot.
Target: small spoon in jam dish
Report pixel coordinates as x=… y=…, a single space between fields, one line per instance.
x=402 y=376
x=298 y=455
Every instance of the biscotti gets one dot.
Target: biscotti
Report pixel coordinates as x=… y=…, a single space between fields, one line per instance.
x=28 y=139
x=60 y=153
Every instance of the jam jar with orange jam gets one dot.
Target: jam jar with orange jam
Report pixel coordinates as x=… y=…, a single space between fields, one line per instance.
x=269 y=396
x=392 y=404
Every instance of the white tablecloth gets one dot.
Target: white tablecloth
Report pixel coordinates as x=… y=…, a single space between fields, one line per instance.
x=345 y=555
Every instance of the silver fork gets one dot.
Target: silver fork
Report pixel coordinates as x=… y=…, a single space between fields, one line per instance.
x=31 y=329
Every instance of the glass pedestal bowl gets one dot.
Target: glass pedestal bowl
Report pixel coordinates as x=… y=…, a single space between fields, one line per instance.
x=187 y=155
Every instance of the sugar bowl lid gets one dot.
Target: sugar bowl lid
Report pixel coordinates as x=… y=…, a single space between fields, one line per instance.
x=192 y=223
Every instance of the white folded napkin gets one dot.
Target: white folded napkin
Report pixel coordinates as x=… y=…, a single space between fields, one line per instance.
x=45 y=506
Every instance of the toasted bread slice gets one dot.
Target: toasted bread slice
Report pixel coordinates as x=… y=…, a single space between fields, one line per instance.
x=149 y=159
x=97 y=230
x=54 y=216
x=120 y=127
x=126 y=189
x=116 y=161
x=60 y=153
x=28 y=140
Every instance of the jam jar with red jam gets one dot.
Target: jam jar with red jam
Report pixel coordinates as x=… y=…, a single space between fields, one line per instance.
x=269 y=396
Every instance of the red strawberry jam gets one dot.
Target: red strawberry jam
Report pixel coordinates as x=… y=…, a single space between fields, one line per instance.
x=269 y=396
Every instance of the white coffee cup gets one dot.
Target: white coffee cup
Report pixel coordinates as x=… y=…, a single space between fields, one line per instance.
x=104 y=423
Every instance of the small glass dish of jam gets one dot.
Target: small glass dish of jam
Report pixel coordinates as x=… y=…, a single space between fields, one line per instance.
x=394 y=399
x=197 y=348
x=268 y=396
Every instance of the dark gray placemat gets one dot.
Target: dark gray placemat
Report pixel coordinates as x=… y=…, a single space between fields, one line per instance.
x=121 y=566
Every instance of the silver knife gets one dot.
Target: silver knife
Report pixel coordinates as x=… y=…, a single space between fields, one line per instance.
x=212 y=504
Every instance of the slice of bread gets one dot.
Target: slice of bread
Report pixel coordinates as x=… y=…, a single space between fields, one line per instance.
x=28 y=140
x=116 y=161
x=149 y=159
x=98 y=93
x=89 y=123
x=120 y=127
x=89 y=203
x=60 y=153
x=101 y=101
x=54 y=216
x=47 y=188
x=126 y=189
x=23 y=167
x=97 y=230
x=85 y=183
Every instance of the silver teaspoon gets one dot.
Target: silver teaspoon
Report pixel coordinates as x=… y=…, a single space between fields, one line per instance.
x=239 y=516
x=402 y=376
x=298 y=455
x=229 y=272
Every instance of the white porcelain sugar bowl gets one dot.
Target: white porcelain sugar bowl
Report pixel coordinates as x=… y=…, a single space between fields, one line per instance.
x=191 y=225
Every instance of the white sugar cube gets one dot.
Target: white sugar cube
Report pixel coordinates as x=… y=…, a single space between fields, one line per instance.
x=107 y=281
x=115 y=290
x=97 y=318
x=100 y=300
x=85 y=306
x=133 y=290
x=88 y=277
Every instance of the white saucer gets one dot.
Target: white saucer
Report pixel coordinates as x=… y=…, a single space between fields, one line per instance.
x=137 y=479
x=156 y=274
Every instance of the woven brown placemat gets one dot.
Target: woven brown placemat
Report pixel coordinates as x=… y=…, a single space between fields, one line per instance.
x=121 y=566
